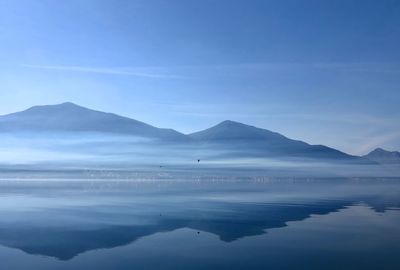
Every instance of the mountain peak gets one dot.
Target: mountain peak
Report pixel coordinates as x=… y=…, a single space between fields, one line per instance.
x=379 y=150
x=383 y=151
x=383 y=156
x=68 y=103
x=71 y=117
x=231 y=124
x=231 y=130
x=242 y=138
x=65 y=106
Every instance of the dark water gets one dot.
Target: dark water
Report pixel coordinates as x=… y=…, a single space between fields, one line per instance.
x=208 y=224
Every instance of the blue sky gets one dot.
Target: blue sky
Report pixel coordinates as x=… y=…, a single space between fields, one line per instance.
x=327 y=72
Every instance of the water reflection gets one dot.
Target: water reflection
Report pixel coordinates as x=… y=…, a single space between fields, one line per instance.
x=63 y=220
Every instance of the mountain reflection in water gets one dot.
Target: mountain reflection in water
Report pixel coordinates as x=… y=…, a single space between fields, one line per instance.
x=63 y=219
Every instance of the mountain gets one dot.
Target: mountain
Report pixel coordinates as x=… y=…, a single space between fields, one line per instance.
x=245 y=140
x=228 y=139
x=73 y=118
x=383 y=156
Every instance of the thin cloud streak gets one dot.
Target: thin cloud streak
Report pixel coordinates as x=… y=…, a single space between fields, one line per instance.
x=110 y=71
x=346 y=66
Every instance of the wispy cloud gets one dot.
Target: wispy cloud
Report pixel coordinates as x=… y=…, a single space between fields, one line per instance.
x=163 y=72
x=377 y=67
x=101 y=70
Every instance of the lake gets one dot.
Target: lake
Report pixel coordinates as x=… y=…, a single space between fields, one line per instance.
x=215 y=223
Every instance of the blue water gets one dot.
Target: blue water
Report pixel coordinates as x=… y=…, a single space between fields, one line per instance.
x=208 y=224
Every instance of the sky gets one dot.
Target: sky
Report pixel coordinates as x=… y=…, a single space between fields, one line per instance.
x=326 y=72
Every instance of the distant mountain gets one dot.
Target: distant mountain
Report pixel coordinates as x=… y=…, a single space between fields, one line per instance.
x=73 y=118
x=245 y=140
x=228 y=139
x=383 y=156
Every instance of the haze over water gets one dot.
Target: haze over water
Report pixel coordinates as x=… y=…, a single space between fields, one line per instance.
x=199 y=135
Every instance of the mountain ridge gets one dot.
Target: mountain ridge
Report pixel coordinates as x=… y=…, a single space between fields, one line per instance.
x=241 y=136
x=383 y=156
x=71 y=117
x=232 y=138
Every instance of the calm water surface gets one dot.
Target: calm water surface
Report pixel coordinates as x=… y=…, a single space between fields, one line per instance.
x=208 y=224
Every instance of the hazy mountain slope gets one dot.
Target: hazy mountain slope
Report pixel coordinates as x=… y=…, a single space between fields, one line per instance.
x=246 y=140
x=228 y=139
x=383 y=156
x=73 y=118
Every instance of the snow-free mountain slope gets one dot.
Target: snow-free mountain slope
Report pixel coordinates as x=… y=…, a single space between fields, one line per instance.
x=228 y=139
x=383 y=156
x=73 y=118
x=247 y=140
